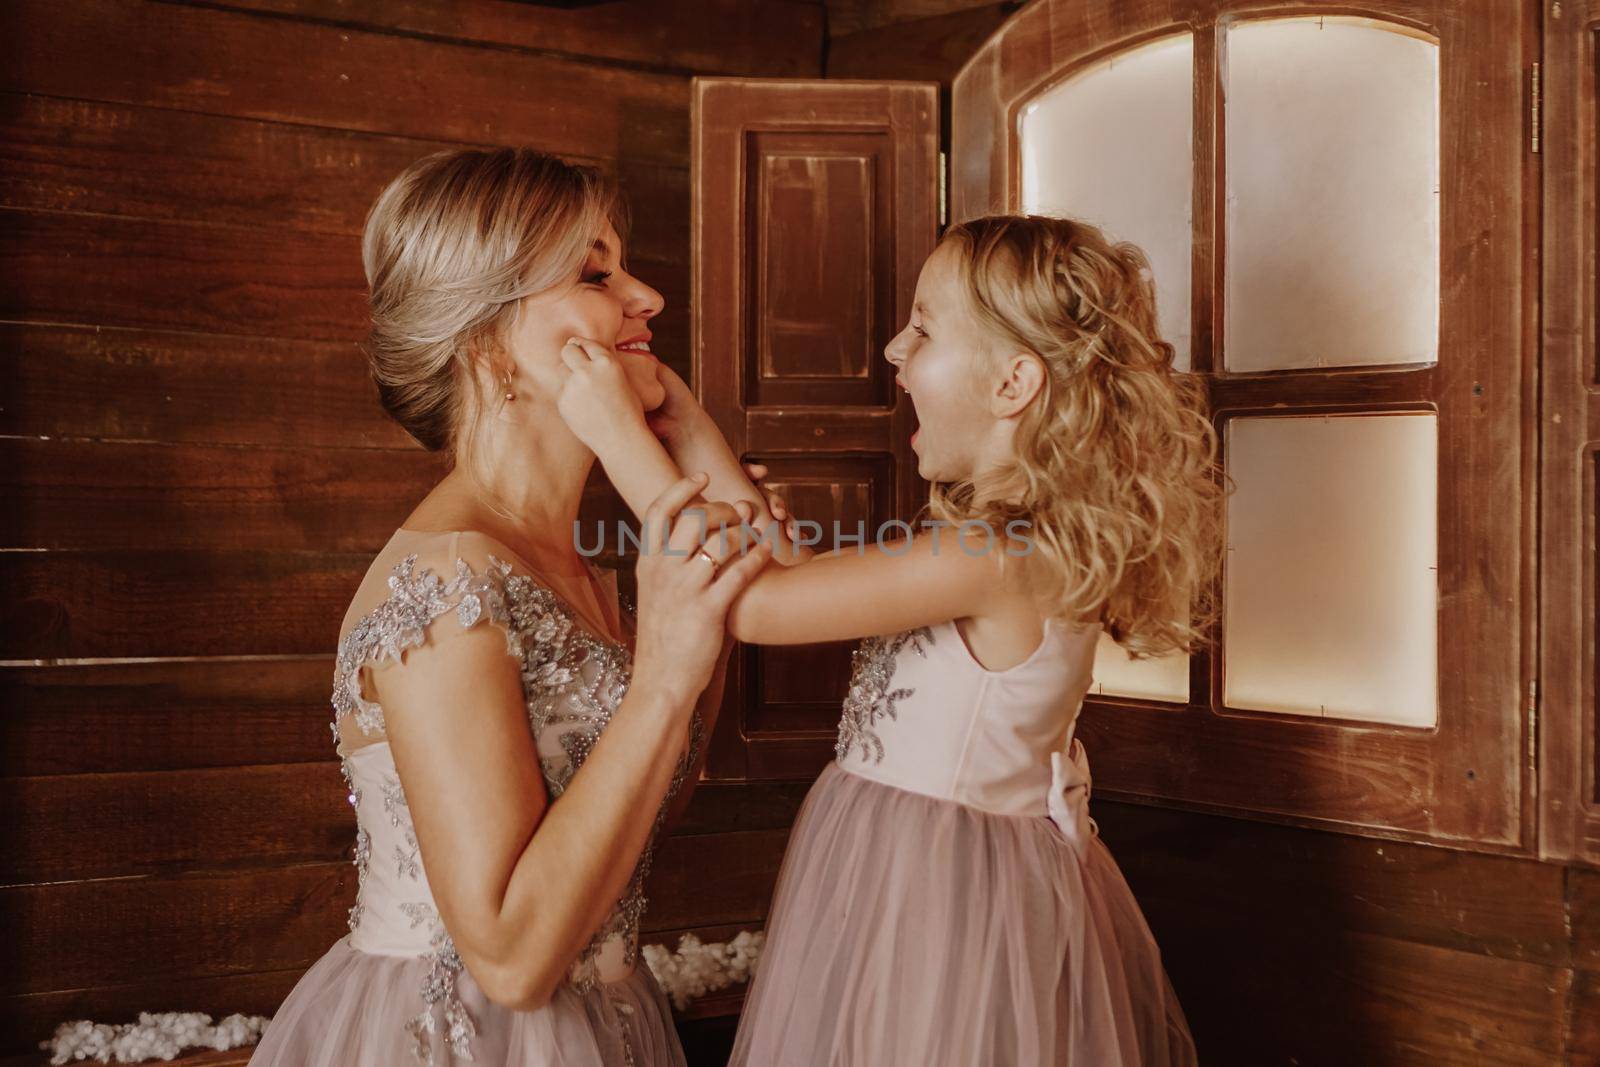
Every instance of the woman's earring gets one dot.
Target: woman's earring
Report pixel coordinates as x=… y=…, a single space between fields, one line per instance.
x=509 y=394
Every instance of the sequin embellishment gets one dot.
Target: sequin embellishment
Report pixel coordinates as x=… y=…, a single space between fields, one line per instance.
x=444 y=964
x=870 y=698
x=572 y=682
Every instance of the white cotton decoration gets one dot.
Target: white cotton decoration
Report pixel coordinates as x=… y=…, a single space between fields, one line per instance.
x=696 y=968
x=156 y=1036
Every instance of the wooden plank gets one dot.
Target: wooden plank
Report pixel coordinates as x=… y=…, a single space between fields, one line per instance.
x=1583 y=1019
x=126 y=717
x=81 y=826
x=1568 y=417
x=104 y=495
x=235 y=1057
x=188 y=387
x=69 y=605
x=924 y=49
x=723 y=807
x=82 y=934
x=78 y=935
x=115 y=159
x=287 y=70
x=1583 y=906
x=78 y=269
x=771 y=38
x=27 y=1019
x=101 y=495
x=713 y=879
x=1184 y=864
x=1275 y=992
x=68 y=827
x=167 y=275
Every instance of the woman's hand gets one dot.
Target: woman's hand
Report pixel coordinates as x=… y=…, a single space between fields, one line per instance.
x=596 y=401
x=683 y=599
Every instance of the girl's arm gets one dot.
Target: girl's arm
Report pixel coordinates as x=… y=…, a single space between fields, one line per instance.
x=844 y=594
x=644 y=453
x=849 y=593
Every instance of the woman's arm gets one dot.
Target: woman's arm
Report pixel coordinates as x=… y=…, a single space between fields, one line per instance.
x=709 y=709
x=934 y=576
x=522 y=884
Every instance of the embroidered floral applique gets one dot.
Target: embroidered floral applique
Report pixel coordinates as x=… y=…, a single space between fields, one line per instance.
x=870 y=698
x=572 y=683
x=439 y=986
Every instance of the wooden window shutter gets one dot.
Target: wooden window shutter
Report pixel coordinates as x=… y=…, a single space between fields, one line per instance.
x=1567 y=701
x=814 y=206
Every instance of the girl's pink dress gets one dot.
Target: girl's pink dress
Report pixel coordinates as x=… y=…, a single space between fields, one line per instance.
x=946 y=898
x=394 y=991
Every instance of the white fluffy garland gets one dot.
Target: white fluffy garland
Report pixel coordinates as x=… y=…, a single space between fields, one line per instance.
x=694 y=970
x=697 y=968
x=156 y=1036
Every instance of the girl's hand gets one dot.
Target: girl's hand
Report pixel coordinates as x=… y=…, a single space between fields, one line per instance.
x=683 y=599
x=680 y=414
x=758 y=471
x=596 y=399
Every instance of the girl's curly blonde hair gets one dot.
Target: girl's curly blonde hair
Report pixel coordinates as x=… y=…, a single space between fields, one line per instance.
x=1115 y=470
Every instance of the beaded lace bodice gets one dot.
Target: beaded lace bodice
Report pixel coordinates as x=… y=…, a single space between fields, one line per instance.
x=573 y=680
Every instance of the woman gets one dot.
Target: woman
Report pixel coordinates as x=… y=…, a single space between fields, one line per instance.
x=483 y=662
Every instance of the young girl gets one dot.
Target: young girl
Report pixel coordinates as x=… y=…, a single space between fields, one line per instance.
x=946 y=898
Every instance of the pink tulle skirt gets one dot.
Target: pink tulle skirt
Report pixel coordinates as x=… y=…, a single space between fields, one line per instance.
x=908 y=929
x=351 y=1008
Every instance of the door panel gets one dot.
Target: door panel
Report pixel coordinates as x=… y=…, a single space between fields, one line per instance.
x=815 y=204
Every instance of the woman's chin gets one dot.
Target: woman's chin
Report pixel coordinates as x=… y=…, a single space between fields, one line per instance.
x=652 y=399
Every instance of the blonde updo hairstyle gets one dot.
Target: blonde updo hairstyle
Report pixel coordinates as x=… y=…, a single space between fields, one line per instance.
x=451 y=247
x=1115 y=469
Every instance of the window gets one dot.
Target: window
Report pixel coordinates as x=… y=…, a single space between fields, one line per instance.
x=1333 y=207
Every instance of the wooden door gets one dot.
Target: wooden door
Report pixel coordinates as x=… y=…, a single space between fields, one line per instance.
x=814 y=205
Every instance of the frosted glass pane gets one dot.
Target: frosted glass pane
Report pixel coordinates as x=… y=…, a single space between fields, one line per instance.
x=1331 y=591
x=1113 y=145
x=1332 y=255
x=1166 y=678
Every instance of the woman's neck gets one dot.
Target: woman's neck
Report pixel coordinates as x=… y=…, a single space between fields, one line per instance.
x=530 y=506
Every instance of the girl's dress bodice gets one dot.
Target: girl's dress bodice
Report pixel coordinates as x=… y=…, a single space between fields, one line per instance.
x=425 y=587
x=923 y=715
x=945 y=896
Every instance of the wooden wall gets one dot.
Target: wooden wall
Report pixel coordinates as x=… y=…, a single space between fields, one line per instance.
x=199 y=471
x=199 y=474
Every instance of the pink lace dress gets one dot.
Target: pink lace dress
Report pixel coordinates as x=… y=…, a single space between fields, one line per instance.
x=946 y=898
x=394 y=991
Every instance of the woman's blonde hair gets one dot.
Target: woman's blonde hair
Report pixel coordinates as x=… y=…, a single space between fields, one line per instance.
x=451 y=246
x=1115 y=470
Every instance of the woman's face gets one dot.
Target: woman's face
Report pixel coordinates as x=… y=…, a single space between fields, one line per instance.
x=603 y=302
x=939 y=357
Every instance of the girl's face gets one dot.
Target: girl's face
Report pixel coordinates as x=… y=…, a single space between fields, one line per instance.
x=603 y=302
x=940 y=357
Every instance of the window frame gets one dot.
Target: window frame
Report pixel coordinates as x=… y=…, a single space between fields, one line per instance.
x=1463 y=781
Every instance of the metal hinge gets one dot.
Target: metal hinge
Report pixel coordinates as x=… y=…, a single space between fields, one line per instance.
x=944 y=189
x=1533 y=114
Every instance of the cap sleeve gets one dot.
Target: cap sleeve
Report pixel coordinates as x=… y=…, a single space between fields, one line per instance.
x=433 y=595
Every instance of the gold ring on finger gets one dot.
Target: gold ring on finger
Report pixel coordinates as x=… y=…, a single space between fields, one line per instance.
x=709 y=558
